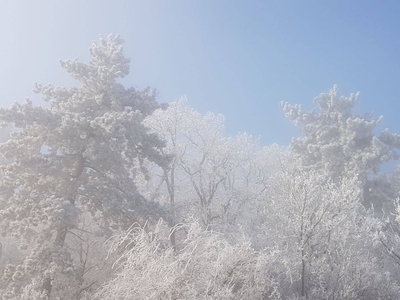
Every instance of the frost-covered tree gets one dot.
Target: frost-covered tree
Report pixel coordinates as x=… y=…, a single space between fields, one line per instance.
x=337 y=140
x=318 y=242
x=77 y=158
x=218 y=179
x=317 y=239
x=321 y=239
x=246 y=186
x=201 y=160
x=204 y=266
x=340 y=144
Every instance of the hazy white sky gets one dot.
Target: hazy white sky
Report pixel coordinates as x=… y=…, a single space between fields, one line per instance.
x=238 y=58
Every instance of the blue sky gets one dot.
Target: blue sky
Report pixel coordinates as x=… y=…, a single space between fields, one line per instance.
x=238 y=58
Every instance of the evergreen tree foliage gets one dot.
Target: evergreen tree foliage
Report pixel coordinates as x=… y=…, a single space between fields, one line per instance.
x=76 y=158
x=105 y=194
x=338 y=141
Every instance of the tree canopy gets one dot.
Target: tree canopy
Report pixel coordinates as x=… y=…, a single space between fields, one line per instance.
x=107 y=194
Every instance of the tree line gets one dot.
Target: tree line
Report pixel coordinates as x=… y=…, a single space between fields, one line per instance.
x=107 y=194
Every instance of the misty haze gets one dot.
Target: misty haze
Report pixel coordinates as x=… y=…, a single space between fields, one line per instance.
x=251 y=168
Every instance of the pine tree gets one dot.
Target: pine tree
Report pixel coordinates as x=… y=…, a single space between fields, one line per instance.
x=337 y=140
x=76 y=158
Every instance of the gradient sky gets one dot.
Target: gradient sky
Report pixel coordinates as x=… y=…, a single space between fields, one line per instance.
x=237 y=58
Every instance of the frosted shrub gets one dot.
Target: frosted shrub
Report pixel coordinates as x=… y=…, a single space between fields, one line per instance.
x=205 y=266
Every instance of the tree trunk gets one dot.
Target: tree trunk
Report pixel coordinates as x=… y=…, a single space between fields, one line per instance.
x=171 y=191
x=303 y=275
x=62 y=232
x=47 y=287
x=59 y=241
